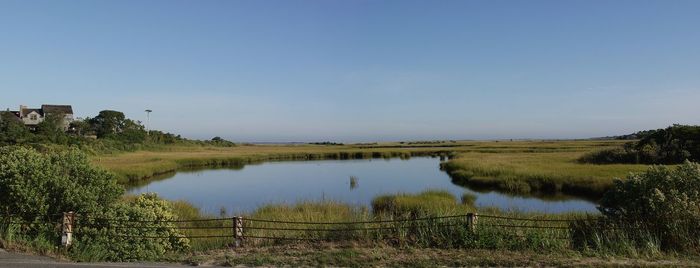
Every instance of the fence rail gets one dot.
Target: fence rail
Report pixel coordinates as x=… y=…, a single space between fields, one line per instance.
x=239 y=229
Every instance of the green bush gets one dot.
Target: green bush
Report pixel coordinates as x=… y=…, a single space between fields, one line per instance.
x=36 y=188
x=150 y=233
x=660 y=206
x=672 y=145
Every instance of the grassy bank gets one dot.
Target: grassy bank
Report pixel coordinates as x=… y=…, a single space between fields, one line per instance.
x=538 y=172
x=513 y=166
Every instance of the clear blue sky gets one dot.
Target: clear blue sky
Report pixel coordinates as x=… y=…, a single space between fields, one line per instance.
x=360 y=70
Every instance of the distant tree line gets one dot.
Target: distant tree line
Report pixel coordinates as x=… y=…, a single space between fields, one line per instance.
x=326 y=143
x=634 y=136
x=671 y=145
x=427 y=142
x=106 y=131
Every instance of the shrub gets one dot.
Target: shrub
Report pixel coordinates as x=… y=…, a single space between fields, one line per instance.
x=150 y=235
x=662 y=203
x=672 y=145
x=615 y=155
x=36 y=188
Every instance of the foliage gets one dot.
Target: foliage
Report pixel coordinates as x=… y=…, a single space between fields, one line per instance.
x=326 y=143
x=12 y=130
x=672 y=145
x=52 y=129
x=81 y=128
x=35 y=185
x=36 y=188
x=108 y=123
x=662 y=203
x=221 y=142
x=108 y=132
x=157 y=235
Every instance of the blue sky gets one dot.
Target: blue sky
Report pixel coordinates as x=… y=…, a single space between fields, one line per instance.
x=360 y=70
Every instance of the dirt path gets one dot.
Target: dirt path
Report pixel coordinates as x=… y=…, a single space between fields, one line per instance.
x=18 y=260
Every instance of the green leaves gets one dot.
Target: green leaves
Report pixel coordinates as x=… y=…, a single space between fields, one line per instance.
x=34 y=184
x=136 y=229
x=672 y=145
x=665 y=200
x=38 y=188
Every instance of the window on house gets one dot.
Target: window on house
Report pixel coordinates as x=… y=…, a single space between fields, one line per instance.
x=32 y=117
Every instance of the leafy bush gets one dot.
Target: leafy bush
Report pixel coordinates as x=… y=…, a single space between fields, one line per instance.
x=672 y=145
x=35 y=185
x=660 y=206
x=12 y=129
x=150 y=235
x=36 y=188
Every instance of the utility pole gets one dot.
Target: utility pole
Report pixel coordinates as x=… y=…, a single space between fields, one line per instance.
x=148 y=119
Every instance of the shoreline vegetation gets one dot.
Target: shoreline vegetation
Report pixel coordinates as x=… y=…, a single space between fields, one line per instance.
x=518 y=167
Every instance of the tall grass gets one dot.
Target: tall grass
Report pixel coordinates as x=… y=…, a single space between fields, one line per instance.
x=450 y=232
x=543 y=173
x=427 y=203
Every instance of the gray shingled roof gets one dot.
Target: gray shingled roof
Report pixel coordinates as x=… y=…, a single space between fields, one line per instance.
x=64 y=109
x=27 y=111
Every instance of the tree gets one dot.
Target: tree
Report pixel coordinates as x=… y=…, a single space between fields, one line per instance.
x=81 y=127
x=52 y=128
x=132 y=132
x=108 y=123
x=12 y=129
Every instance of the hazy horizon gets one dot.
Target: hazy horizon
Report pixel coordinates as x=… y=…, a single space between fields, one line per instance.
x=360 y=71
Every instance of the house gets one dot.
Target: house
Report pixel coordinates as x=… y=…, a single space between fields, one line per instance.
x=31 y=117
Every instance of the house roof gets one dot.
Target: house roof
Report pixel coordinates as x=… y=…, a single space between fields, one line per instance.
x=64 y=109
x=15 y=113
x=26 y=111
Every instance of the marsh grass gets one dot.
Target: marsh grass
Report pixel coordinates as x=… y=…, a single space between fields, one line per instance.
x=427 y=203
x=539 y=173
x=451 y=232
x=600 y=237
x=468 y=199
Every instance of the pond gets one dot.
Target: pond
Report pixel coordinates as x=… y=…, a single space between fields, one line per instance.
x=244 y=189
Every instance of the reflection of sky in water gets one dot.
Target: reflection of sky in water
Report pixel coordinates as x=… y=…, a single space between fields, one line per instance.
x=288 y=182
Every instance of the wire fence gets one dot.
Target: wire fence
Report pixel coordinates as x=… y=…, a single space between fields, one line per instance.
x=239 y=228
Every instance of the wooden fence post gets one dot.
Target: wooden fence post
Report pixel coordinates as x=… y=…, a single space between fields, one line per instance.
x=237 y=231
x=67 y=228
x=472 y=219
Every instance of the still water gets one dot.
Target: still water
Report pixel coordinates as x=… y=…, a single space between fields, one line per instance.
x=252 y=186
